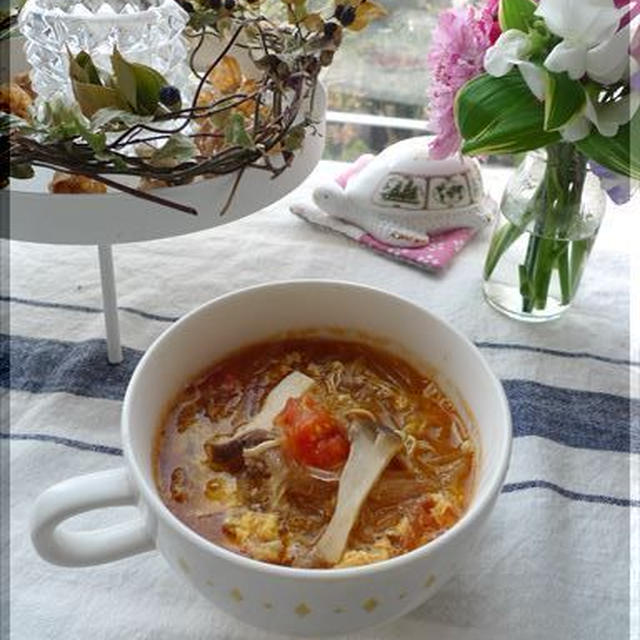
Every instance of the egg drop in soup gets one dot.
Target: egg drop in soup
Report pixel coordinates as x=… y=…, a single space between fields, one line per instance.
x=315 y=452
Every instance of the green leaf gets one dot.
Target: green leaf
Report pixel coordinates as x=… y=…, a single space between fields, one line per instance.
x=203 y=18
x=564 y=100
x=235 y=132
x=501 y=115
x=620 y=153
x=84 y=61
x=97 y=141
x=220 y=119
x=119 y=163
x=294 y=139
x=149 y=83
x=138 y=84
x=116 y=118
x=10 y=32
x=516 y=14
x=62 y=121
x=76 y=71
x=176 y=150
x=500 y=243
x=22 y=171
x=125 y=79
x=65 y=123
x=10 y=122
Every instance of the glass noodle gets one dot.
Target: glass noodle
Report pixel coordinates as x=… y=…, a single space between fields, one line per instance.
x=264 y=503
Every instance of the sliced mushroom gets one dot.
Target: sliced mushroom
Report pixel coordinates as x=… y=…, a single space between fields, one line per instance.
x=260 y=429
x=372 y=448
x=294 y=385
x=224 y=451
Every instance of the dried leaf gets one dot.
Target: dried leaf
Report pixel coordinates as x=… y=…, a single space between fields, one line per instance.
x=367 y=12
x=221 y=119
x=15 y=100
x=296 y=10
x=313 y=22
x=93 y=97
x=223 y=25
x=207 y=98
x=326 y=57
x=248 y=87
x=227 y=76
x=75 y=183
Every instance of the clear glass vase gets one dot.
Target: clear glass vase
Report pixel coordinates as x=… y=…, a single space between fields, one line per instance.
x=145 y=31
x=550 y=214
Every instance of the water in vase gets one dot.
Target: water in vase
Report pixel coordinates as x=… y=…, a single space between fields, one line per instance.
x=550 y=214
x=545 y=294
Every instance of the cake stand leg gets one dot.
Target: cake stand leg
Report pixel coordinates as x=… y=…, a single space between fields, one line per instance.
x=110 y=304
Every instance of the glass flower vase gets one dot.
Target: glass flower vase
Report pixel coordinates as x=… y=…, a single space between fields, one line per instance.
x=550 y=214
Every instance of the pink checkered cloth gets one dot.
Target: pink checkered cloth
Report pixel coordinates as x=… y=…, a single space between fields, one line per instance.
x=432 y=257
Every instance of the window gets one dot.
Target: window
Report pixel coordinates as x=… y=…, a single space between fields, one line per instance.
x=378 y=81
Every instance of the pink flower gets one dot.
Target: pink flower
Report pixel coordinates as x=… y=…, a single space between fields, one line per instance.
x=634 y=46
x=634 y=10
x=456 y=55
x=490 y=12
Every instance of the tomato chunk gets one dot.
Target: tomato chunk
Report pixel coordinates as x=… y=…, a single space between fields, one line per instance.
x=312 y=436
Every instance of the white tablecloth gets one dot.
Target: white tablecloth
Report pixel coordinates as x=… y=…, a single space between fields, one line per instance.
x=554 y=564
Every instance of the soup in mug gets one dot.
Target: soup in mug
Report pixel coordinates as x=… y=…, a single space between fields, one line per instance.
x=315 y=452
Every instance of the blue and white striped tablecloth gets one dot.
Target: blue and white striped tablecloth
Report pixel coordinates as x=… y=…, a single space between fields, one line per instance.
x=555 y=562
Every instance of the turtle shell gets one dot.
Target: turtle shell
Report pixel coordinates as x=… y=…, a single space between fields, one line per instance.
x=403 y=176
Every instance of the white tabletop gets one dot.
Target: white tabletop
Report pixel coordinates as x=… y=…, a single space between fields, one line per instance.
x=553 y=564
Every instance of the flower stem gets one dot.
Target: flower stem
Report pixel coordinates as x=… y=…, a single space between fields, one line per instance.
x=556 y=205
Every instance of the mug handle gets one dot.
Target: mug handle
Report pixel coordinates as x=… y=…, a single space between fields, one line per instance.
x=85 y=548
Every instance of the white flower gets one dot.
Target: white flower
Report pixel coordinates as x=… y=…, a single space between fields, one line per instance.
x=586 y=21
x=608 y=117
x=567 y=57
x=535 y=78
x=511 y=49
x=578 y=129
x=609 y=62
x=584 y=25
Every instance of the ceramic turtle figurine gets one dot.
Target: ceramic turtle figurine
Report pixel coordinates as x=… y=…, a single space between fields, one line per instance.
x=402 y=195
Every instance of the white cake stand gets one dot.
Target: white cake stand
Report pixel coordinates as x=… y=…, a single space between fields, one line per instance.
x=28 y=212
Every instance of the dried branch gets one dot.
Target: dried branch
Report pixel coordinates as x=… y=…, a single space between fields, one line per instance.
x=277 y=104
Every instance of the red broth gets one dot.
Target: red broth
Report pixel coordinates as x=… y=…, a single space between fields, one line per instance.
x=273 y=499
